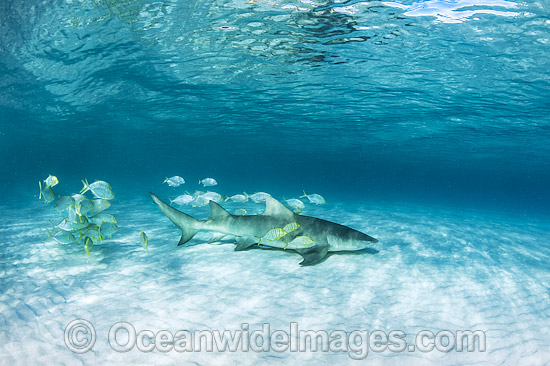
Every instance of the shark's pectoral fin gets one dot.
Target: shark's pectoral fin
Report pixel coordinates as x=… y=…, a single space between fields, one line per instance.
x=216 y=237
x=313 y=255
x=244 y=242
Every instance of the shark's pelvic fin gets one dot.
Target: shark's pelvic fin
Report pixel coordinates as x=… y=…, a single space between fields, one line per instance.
x=217 y=212
x=244 y=243
x=276 y=208
x=216 y=237
x=189 y=225
x=313 y=255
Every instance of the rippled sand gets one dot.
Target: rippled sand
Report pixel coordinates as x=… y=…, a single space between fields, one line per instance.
x=436 y=269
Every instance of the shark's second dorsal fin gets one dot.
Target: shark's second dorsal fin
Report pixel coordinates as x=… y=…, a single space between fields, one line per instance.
x=217 y=212
x=276 y=208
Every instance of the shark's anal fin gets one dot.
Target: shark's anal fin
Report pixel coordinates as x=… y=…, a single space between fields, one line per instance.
x=244 y=242
x=216 y=237
x=313 y=255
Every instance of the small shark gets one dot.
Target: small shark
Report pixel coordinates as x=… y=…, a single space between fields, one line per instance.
x=326 y=236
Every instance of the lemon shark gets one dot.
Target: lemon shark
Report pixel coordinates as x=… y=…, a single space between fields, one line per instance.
x=326 y=236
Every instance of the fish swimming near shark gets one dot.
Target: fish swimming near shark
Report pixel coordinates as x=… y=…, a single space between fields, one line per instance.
x=324 y=236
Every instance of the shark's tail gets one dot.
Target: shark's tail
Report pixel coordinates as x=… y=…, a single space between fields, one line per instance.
x=189 y=225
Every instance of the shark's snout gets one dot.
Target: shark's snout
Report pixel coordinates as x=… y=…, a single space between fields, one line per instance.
x=359 y=236
x=371 y=239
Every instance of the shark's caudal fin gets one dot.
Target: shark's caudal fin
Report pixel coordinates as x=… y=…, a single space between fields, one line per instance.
x=189 y=225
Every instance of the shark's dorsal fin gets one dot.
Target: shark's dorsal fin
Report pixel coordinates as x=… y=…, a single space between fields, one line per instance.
x=217 y=212
x=276 y=208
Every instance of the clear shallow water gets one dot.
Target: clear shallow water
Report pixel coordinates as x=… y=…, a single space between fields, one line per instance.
x=425 y=124
x=376 y=100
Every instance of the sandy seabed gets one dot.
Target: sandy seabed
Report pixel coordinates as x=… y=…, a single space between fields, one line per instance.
x=436 y=269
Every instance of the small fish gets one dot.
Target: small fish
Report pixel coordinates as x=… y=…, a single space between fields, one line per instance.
x=86 y=208
x=299 y=242
x=208 y=182
x=240 y=212
x=51 y=181
x=314 y=198
x=99 y=188
x=144 y=240
x=295 y=204
x=46 y=193
x=93 y=232
x=240 y=198
x=99 y=205
x=291 y=227
x=174 y=181
x=71 y=214
x=108 y=229
x=273 y=234
x=88 y=244
x=64 y=225
x=63 y=203
x=259 y=197
x=78 y=198
x=213 y=196
x=184 y=199
x=102 y=218
x=82 y=204
x=63 y=237
x=77 y=222
x=200 y=201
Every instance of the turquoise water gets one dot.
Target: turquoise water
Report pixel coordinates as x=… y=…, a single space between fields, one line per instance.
x=424 y=124
x=367 y=101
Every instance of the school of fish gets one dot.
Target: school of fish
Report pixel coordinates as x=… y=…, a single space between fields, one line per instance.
x=83 y=220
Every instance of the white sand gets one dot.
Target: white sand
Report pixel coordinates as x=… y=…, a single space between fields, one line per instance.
x=436 y=269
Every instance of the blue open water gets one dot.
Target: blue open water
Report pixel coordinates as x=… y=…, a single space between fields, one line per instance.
x=425 y=124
